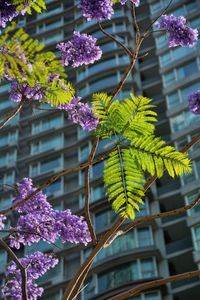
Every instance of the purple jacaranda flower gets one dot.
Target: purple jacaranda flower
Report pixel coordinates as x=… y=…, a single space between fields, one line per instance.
x=179 y=33
x=39 y=221
x=97 y=9
x=81 y=50
x=81 y=113
x=7 y=12
x=37 y=265
x=194 y=102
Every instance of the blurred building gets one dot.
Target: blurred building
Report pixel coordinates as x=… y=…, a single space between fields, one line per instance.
x=40 y=141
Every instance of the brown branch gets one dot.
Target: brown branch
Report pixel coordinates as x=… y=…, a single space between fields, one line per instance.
x=152 y=284
x=163 y=12
x=128 y=70
x=77 y=280
x=11 y=115
x=162 y=215
x=138 y=34
x=19 y=265
x=87 y=192
x=116 y=40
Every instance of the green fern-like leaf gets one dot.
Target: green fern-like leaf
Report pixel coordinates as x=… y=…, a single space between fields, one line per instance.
x=123 y=180
x=153 y=156
x=133 y=116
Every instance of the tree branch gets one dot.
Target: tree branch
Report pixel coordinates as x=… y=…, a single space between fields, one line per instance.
x=87 y=192
x=152 y=284
x=19 y=265
x=77 y=280
x=11 y=115
x=128 y=51
x=162 y=215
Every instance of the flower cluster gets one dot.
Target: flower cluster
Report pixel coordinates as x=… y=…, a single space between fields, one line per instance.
x=80 y=113
x=135 y=2
x=37 y=265
x=18 y=91
x=97 y=9
x=2 y=220
x=179 y=33
x=194 y=102
x=7 y=12
x=39 y=221
x=81 y=50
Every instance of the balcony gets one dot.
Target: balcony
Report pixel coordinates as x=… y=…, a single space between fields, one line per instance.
x=179 y=246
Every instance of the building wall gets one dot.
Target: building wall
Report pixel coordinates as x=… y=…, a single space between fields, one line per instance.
x=41 y=141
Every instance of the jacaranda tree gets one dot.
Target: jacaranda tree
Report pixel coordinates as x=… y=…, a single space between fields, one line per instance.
x=137 y=158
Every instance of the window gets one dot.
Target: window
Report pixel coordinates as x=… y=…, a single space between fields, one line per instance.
x=190 y=198
x=97 y=170
x=5 y=202
x=3 y=260
x=161 y=41
x=178 y=123
x=118 y=276
x=55 y=188
x=144 y=237
x=197 y=237
x=156 y=7
x=169 y=79
x=52 y=142
x=144 y=268
x=8 y=158
x=43 y=125
x=187 y=70
x=52 y=164
x=8 y=178
x=147 y=268
x=9 y=138
x=173 y=100
x=104 y=219
x=84 y=152
x=98 y=192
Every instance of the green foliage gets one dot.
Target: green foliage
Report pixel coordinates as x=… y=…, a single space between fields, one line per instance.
x=128 y=118
x=36 y=5
x=153 y=156
x=132 y=123
x=21 y=59
x=123 y=180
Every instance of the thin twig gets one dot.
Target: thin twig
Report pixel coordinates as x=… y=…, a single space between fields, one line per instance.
x=128 y=51
x=19 y=265
x=138 y=34
x=163 y=12
x=87 y=192
x=12 y=114
x=152 y=284
x=161 y=215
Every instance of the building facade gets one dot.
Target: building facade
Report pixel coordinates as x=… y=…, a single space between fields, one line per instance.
x=40 y=141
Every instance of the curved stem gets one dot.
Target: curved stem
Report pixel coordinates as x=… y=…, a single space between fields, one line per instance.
x=12 y=114
x=87 y=192
x=152 y=284
x=116 y=40
x=19 y=265
x=161 y=215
